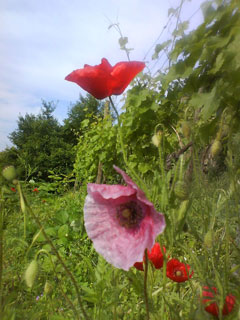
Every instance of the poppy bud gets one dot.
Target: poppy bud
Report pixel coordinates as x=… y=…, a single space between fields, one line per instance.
x=9 y=173
x=208 y=239
x=186 y=130
x=48 y=287
x=156 y=139
x=181 y=190
x=31 y=273
x=216 y=148
x=182 y=209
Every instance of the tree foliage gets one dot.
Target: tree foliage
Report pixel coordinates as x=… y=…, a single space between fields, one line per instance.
x=86 y=107
x=40 y=144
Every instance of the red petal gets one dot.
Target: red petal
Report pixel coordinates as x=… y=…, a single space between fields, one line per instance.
x=94 y=80
x=139 y=266
x=103 y=80
x=123 y=73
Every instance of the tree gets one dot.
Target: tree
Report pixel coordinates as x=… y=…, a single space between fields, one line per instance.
x=40 y=144
x=86 y=107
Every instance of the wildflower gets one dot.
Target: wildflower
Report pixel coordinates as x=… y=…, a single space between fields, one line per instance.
x=210 y=294
x=139 y=265
x=35 y=190
x=13 y=189
x=178 y=271
x=103 y=80
x=155 y=256
x=121 y=222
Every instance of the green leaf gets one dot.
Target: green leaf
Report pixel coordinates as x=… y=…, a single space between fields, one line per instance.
x=209 y=101
x=123 y=41
x=63 y=231
x=62 y=216
x=160 y=47
x=144 y=167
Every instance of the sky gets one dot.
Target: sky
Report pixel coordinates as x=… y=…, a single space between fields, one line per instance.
x=43 y=41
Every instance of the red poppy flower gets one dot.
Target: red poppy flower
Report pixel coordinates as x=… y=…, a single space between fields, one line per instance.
x=139 y=266
x=35 y=190
x=178 y=271
x=103 y=80
x=155 y=256
x=213 y=307
x=13 y=189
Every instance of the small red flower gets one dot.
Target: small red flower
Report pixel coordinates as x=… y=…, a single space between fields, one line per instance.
x=35 y=190
x=155 y=256
x=13 y=189
x=212 y=308
x=178 y=271
x=139 y=266
x=103 y=80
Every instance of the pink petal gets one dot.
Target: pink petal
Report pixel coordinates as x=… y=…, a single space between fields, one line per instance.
x=140 y=194
x=119 y=245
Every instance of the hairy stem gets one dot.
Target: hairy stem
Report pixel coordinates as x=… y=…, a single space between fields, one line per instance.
x=131 y=170
x=68 y=272
x=145 y=283
x=1 y=255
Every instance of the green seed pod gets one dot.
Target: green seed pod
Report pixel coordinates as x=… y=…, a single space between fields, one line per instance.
x=31 y=273
x=9 y=173
x=181 y=190
x=216 y=148
x=186 y=130
x=48 y=287
x=209 y=239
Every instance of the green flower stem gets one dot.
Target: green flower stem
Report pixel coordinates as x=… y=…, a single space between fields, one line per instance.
x=59 y=284
x=1 y=252
x=139 y=181
x=22 y=204
x=145 y=283
x=68 y=272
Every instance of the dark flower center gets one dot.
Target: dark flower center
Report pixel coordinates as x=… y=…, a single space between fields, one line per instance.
x=129 y=214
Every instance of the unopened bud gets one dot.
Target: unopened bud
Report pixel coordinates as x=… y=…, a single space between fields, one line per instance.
x=22 y=201
x=181 y=190
x=216 y=148
x=186 y=130
x=182 y=209
x=48 y=287
x=31 y=273
x=156 y=139
x=9 y=173
x=209 y=239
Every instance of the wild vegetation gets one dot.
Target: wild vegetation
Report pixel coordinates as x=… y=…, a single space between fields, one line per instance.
x=178 y=138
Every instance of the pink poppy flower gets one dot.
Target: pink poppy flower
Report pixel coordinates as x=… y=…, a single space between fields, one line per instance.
x=103 y=80
x=121 y=222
